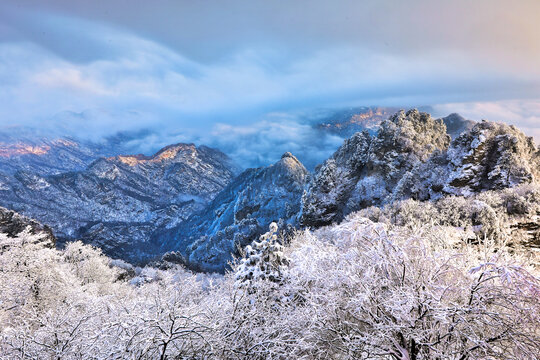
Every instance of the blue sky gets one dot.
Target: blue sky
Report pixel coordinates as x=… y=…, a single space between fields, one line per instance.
x=240 y=75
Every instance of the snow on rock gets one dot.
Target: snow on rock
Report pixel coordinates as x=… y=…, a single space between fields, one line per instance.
x=238 y=215
x=491 y=156
x=412 y=157
x=366 y=170
x=13 y=224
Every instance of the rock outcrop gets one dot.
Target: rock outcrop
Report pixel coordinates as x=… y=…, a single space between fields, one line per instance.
x=366 y=170
x=490 y=156
x=12 y=224
x=412 y=157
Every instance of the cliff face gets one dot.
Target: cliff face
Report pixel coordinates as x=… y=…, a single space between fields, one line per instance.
x=238 y=215
x=491 y=156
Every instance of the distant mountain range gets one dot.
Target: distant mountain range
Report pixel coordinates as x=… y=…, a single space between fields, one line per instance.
x=194 y=206
x=116 y=202
x=346 y=122
x=42 y=153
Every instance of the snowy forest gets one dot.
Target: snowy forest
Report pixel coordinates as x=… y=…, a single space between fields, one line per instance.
x=412 y=280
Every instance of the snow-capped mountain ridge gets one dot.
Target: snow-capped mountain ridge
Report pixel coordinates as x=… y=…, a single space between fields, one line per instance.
x=239 y=213
x=191 y=203
x=114 y=205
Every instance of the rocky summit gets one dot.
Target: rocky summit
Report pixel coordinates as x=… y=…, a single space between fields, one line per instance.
x=366 y=170
x=411 y=156
x=345 y=123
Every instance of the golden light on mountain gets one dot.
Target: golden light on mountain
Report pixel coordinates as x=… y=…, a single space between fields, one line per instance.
x=10 y=150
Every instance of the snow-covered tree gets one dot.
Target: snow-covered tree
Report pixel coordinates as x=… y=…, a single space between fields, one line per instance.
x=263 y=260
x=394 y=289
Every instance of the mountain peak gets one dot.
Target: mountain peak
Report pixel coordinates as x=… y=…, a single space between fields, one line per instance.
x=457 y=124
x=239 y=214
x=287 y=154
x=164 y=154
x=411 y=157
x=116 y=202
x=171 y=151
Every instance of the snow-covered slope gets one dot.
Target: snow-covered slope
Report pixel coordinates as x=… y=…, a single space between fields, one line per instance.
x=117 y=202
x=239 y=214
x=188 y=201
x=43 y=153
x=46 y=156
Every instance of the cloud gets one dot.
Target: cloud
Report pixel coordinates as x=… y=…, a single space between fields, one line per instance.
x=150 y=78
x=523 y=113
x=209 y=31
x=264 y=142
x=257 y=144
x=236 y=75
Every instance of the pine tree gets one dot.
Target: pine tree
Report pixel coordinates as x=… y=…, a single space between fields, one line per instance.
x=263 y=260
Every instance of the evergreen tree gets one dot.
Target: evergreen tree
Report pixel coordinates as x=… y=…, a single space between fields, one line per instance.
x=263 y=260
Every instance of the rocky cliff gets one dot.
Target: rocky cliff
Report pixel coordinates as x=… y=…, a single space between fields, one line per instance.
x=12 y=224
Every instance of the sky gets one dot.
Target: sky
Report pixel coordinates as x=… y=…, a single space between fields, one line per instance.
x=244 y=76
